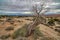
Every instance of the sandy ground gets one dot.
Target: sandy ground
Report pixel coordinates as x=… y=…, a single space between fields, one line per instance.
x=19 y=22
x=16 y=25
x=49 y=32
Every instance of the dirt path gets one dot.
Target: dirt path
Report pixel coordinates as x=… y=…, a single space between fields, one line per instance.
x=49 y=32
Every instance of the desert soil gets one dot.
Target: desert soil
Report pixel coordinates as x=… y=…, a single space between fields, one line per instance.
x=19 y=22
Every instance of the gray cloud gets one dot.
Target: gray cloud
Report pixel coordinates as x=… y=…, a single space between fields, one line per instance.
x=22 y=5
x=57 y=6
x=56 y=1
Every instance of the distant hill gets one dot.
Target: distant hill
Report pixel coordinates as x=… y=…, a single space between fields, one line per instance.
x=47 y=15
x=52 y=15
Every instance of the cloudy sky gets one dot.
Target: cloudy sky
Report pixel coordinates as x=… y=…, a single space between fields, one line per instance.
x=15 y=7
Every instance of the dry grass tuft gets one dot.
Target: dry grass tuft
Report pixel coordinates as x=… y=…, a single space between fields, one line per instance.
x=23 y=31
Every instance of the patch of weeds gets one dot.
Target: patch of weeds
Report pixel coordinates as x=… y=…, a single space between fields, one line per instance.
x=1 y=20
x=5 y=36
x=20 y=32
x=19 y=21
x=9 y=28
x=58 y=22
x=22 y=38
x=56 y=19
x=10 y=20
x=28 y=19
x=47 y=38
x=37 y=33
x=57 y=27
x=51 y=22
x=58 y=30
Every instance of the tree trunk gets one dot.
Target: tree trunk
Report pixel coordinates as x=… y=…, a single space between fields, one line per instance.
x=31 y=27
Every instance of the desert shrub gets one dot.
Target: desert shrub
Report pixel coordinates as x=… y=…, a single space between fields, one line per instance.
x=56 y=19
x=21 y=38
x=58 y=22
x=5 y=36
x=9 y=28
x=57 y=27
x=0 y=17
x=51 y=23
x=19 y=21
x=47 y=38
x=37 y=33
x=1 y=20
x=22 y=32
x=58 y=30
x=28 y=19
x=10 y=20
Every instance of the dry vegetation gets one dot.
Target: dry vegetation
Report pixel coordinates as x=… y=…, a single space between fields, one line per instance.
x=16 y=29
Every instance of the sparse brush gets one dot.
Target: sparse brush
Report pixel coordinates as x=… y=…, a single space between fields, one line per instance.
x=37 y=33
x=5 y=36
x=21 y=38
x=57 y=26
x=51 y=22
x=20 y=32
x=47 y=38
x=9 y=19
x=56 y=19
x=58 y=22
x=9 y=28
x=28 y=19
x=23 y=31
x=1 y=20
x=58 y=30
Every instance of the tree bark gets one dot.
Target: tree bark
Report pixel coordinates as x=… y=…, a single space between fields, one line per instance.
x=34 y=24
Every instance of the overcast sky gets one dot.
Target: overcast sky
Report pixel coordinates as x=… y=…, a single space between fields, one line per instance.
x=25 y=6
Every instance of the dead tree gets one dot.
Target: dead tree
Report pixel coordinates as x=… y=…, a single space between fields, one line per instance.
x=39 y=18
